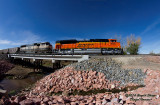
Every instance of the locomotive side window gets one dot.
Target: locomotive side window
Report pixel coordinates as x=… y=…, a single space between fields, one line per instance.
x=47 y=43
x=42 y=44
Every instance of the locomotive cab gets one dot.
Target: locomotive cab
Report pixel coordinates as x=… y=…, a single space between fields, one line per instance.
x=112 y=40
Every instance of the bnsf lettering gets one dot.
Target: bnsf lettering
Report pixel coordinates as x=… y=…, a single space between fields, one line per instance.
x=85 y=45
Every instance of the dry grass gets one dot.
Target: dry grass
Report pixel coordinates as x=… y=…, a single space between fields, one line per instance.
x=138 y=62
x=19 y=70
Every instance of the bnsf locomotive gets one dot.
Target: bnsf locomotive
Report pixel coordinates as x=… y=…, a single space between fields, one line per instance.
x=97 y=46
x=92 y=46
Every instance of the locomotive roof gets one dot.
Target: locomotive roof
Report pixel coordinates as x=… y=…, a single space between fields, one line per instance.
x=75 y=41
x=67 y=41
x=34 y=44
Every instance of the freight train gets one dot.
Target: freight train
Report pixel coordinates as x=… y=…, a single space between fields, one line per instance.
x=92 y=46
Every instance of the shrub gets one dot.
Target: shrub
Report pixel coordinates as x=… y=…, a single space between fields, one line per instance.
x=152 y=53
x=133 y=44
x=133 y=49
x=124 y=52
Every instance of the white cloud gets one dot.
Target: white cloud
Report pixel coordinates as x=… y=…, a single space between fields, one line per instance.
x=30 y=37
x=5 y=42
x=153 y=44
x=147 y=48
x=20 y=38
x=150 y=27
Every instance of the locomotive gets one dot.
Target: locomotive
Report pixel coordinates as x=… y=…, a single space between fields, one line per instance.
x=45 y=47
x=92 y=46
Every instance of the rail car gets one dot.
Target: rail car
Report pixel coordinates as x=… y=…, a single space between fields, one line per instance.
x=13 y=50
x=1 y=51
x=4 y=51
x=45 y=47
x=92 y=46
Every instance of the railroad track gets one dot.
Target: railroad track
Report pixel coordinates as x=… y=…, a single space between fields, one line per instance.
x=140 y=55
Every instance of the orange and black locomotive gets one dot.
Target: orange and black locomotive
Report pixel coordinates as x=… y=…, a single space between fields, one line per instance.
x=92 y=46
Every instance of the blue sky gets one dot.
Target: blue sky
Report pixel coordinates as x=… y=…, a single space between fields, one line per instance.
x=29 y=21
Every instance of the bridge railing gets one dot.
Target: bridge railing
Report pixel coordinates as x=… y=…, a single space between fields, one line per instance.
x=50 y=57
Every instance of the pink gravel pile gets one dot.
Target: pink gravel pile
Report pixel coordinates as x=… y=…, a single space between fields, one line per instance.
x=98 y=99
x=5 y=66
x=68 y=79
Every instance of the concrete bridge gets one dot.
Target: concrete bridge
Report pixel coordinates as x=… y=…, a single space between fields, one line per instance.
x=50 y=57
x=38 y=58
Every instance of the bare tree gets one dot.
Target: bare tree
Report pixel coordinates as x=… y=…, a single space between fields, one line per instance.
x=122 y=41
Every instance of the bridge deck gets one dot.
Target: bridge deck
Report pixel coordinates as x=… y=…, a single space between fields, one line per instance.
x=50 y=57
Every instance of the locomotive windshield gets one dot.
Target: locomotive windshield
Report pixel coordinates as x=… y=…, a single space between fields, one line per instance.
x=113 y=41
x=47 y=43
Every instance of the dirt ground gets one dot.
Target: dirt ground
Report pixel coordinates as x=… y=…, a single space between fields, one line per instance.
x=139 y=62
x=19 y=70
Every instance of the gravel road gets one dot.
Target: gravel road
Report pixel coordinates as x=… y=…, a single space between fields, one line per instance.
x=135 y=61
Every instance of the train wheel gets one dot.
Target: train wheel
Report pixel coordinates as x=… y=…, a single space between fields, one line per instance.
x=102 y=52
